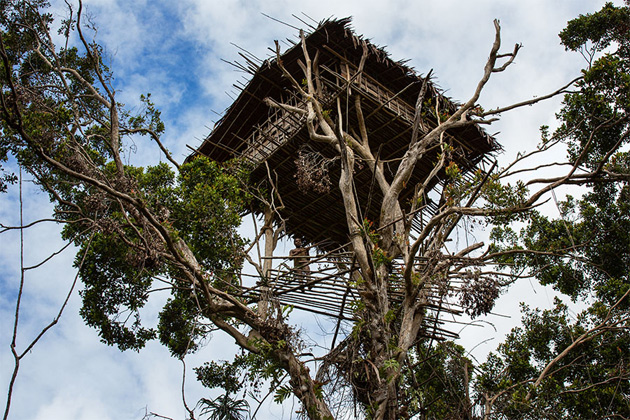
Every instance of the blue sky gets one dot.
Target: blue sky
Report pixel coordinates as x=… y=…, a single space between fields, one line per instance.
x=174 y=51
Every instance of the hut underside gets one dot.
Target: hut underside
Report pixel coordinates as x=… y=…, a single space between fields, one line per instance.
x=273 y=138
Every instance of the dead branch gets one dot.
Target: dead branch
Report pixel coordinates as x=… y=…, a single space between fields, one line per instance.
x=18 y=356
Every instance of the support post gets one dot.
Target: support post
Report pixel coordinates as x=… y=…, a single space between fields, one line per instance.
x=270 y=246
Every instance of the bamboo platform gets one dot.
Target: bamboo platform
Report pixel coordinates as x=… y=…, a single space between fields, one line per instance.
x=327 y=291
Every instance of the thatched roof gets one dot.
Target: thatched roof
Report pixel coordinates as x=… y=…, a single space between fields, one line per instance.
x=253 y=130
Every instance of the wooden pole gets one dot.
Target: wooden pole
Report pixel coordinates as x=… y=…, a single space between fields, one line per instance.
x=270 y=246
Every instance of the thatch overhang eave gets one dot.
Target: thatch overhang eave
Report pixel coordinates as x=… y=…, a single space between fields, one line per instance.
x=268 y=81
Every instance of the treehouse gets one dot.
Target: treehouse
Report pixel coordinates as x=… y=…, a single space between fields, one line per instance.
x=271 y=138
x=276 y=142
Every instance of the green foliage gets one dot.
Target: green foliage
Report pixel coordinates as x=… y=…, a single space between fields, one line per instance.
x=503 y=198
x=53 y=141
x=368 y=232
x=590 y=382
x=246 y=373
x=596 y=115
x=205 y=212
x=116 y=282
x=282 y=393
x=584 y=254
x=580 y=253
x=380 y=257
x=435 y=386
x=224 y=408
x=179 y=327
x=600 y=30
x=249 y=372
x=444 y=115
x=45 y=112
x=589 y=245
x=150 y=120
x=390 y=364
x=6 y=178
x=550 y=240
x=222 y=375
x=201 y=205
x=453 y=171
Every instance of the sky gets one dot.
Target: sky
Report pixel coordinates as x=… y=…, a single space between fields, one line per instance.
x=176 y=51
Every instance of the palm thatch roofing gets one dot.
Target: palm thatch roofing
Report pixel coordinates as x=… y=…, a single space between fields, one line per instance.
x=273 y=139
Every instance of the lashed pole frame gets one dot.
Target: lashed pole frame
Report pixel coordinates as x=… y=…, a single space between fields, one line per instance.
x=270 y=245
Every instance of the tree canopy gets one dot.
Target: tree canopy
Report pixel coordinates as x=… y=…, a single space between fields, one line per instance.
x=579 y=365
